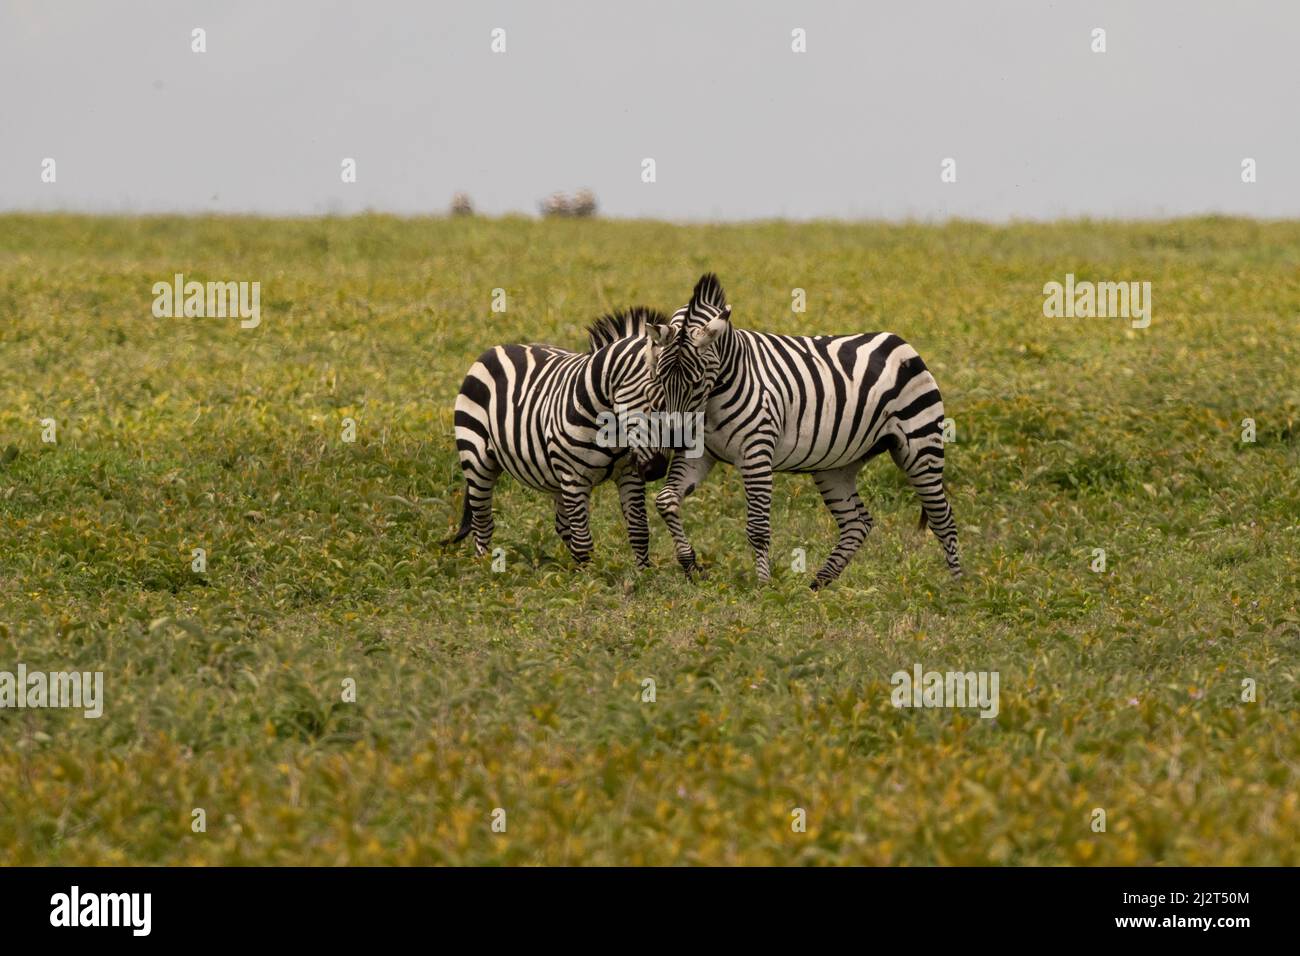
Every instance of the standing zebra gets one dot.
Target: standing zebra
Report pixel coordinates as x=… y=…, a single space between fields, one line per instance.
x=535 y=411
x=822 y=404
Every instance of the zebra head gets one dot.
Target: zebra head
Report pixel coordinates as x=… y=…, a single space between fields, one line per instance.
x=687 y=365
x=634 y=339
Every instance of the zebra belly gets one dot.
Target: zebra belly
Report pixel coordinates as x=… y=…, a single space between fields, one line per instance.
x=802 y=453
x=805 y=449
x=541 y=471
x=549 y=484
x=726 y=448
x=807 y=456
x=800 y=461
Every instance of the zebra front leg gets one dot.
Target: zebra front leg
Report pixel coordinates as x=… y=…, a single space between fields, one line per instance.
x=684 y=476
x=577 y=504
x=757 y=476
x=631 y=496
x=839 y=489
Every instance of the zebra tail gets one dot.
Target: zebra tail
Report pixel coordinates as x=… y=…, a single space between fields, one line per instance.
x=919 y=527
x=465 y=522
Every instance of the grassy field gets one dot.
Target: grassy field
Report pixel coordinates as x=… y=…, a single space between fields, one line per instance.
x=522 y=689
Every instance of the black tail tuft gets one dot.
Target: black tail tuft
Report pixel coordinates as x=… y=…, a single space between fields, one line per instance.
x=921 y=524
x=465 y=522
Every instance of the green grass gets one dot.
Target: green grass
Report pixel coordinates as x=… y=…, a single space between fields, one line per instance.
x=522 y=689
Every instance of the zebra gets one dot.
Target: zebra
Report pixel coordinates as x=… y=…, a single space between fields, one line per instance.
x=822 y=404
x=535 y=411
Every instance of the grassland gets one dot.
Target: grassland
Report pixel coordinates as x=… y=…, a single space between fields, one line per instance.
x=523 y=689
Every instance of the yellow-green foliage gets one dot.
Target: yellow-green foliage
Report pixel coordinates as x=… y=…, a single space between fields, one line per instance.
x=523 y=689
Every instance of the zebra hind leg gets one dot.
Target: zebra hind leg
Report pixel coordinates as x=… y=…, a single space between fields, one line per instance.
x=839 y=490
x=577 y=502
x=562 y=519
x=922 y=462
x=478 y=491
x=868 y=521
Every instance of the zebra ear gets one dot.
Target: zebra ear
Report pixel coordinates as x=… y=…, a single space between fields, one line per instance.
x=718 y=325
x=659 y=334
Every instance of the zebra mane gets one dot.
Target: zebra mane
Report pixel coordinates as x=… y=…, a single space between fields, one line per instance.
x=622 y=324
x=708 y=291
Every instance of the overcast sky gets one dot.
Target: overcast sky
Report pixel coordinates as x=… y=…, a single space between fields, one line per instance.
x=739 y=125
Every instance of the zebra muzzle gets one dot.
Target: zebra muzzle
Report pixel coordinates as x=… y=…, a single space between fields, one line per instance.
x=652 y=467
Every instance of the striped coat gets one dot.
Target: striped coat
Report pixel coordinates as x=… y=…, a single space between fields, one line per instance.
x=821 y=404
x=536 y=412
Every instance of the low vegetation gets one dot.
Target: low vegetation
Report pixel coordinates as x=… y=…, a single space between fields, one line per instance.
x=1125 y=690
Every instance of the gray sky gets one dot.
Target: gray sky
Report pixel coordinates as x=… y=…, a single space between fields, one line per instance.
x=740 y=127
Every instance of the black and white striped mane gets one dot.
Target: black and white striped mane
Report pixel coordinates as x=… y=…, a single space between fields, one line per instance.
x=621 y=324
x=708 y=292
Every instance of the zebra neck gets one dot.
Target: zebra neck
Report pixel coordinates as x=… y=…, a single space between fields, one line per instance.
x=599 y=374
x=731 y=347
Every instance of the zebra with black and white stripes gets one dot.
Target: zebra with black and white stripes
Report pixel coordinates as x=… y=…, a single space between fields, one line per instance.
x=822 y=404
x=541 y=413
